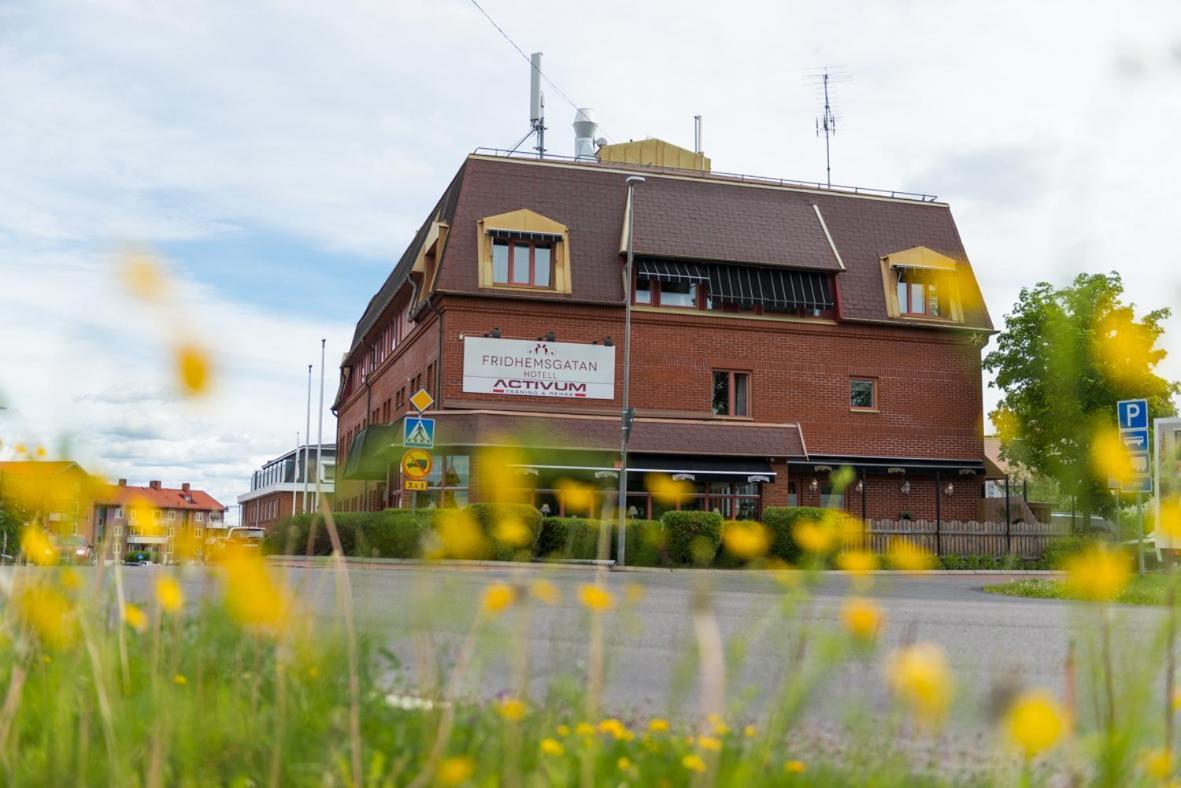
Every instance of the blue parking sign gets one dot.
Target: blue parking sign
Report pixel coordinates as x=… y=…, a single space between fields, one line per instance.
x=418 y=432
x=1133 y=414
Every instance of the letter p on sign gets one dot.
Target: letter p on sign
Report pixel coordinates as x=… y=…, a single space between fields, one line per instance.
x=1133 y=414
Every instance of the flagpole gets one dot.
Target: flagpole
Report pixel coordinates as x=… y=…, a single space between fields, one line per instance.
x=320 y=419
x=307 y=433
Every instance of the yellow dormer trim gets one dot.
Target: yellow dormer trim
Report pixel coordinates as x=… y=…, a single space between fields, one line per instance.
x=920 y=257
x=524 y=220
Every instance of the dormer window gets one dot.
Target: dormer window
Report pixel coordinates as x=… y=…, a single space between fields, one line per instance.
x=921 y=282
x=524 y=250
x=522 y=263
x=919 y=292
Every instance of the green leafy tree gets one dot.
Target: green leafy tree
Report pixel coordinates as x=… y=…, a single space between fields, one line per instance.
x=1066 y=356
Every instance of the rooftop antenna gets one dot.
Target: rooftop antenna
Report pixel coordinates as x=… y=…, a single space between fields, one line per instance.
x=827 y=122
x=536 y=108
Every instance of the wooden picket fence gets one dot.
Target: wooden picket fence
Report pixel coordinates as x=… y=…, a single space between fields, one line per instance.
x=1025 y=539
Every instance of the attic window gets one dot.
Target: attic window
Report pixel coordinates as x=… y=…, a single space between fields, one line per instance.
x=523 y=250
x=921 y=282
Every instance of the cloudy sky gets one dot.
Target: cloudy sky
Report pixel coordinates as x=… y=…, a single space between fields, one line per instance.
x=278 y=156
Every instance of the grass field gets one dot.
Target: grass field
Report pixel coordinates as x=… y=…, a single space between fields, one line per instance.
x=1150 y=589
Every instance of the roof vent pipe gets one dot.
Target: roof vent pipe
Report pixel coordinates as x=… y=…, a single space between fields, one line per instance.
x=584 y=135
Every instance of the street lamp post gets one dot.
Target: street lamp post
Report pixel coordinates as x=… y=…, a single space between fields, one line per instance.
x=626 y=416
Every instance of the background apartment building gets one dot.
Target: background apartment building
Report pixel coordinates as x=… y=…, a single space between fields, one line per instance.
x=277 y=488
x=167 y=523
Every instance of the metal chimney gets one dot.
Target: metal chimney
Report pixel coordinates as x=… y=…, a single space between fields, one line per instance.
x=584 y=135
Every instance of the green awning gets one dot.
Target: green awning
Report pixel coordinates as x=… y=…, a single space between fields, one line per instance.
x=372 y=450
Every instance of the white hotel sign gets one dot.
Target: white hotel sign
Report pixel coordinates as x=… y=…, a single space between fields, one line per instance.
x=521 y=367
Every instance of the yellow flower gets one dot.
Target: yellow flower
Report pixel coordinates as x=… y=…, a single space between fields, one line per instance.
x=498 y=597
x=36 y=546
x=584 y=729
x=746 y=539
x=192 y=369
x=814 y=536
x=179 y=680
x=1098 y=573
x=39 y=452
x=545 y=591
x=169 y=594
x=795 y=767
x=551 y=747
x=70 y=579
x=666 y=490
x=709 y=743
x=1170 y=516
x=579 y=498
x=858 y=562
x=693 y=763
x=460 y=535
x=613 y=727
x=862 y=618
x=750 y=731
x=905 y=554
x=1110 y=458
x=511 y=531
x=143 y=276
x=1125 y=348
x=1157 y=764
x=624 y=763
x=252 y=596
x=135 y=617
x=563 y=730
x=511 y=709
x=920 y=677
x=658 y=725
x=595 y=597
x=48 y=613
x=719 y=726
x=455 y=770
x=1034 y=723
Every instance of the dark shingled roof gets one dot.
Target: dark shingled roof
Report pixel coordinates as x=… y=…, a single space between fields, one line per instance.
x=686 y=215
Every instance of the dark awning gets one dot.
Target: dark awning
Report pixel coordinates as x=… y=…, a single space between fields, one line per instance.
x=771 y=287
x=671 y=270
x=705 y=466
x=525 y=235
x=886 y=464
x=372 y=450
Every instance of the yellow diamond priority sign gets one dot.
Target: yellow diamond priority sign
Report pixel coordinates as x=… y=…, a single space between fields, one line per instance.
x=421 y=400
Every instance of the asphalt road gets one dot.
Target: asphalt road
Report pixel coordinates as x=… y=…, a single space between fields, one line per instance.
x=422 y=614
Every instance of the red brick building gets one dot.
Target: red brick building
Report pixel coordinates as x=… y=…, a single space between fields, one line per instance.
x=155 y=518
x=780 y=332
x=276 y=489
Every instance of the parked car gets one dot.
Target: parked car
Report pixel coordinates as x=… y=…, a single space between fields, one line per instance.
x=1098 y=527
x=72 y=549
x=237 y=538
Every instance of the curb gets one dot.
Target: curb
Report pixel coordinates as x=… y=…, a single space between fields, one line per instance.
x=609 y=564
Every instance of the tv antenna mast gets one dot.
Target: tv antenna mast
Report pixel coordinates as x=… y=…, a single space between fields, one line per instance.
x=827 y=122
x=536 y=108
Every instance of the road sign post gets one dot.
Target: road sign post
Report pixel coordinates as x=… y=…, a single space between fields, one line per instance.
x=1132 y=415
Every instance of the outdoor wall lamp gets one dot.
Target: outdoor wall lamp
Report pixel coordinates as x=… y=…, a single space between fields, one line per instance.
x=906 y=488
x=813 y=485
x=860 y=486
x=494 y=333
x=549 y=337
x=949 y=489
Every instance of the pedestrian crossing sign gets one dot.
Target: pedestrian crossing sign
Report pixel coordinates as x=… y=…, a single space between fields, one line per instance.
x=418 y=432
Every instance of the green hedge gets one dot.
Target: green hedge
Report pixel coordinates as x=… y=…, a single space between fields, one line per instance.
x=781 y=520
x=692 y=538
x=577 y=538
x=392 y=533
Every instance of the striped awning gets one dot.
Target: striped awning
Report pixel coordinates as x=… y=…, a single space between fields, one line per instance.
x=671 y=270
x=771 y=287
x=524 y=235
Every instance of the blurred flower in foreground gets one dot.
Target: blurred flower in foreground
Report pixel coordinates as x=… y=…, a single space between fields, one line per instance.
x=746 y=539
x=658 y=725
x=498 y=597
x=193 y=369
x=36 y=546
x=169 y=594
x=666 y=490
x=1157 y=764
x=1125 y=348
x=511 y=709
x=1170 y=516
x=595 y=597
x=253 y=597
x=135 y=617
x=920 y=677
x=545 y=591
x=496 y=470
x=143 y=276
x=1110 y=458
x=815 y=536
x=47 y=613
x=551 y=747
x=905 y=554
x=795 y=767
x=511 y=531
x=1034 y=723
x=693 y=763
x=455 y=770
x=579 y=498
x=460 y=535
x=857 y=562
x=1098 y=573
x=862 y=618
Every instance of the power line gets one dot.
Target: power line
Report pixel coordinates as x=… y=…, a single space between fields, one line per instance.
x=521 y=52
